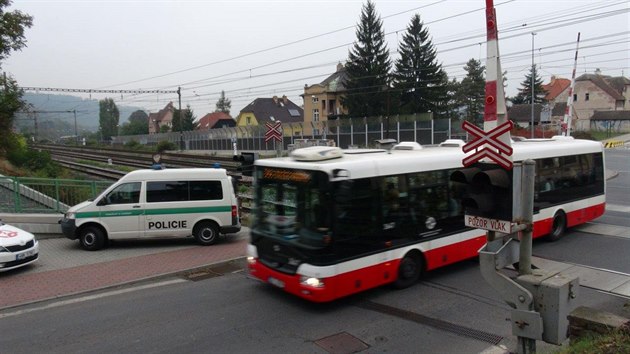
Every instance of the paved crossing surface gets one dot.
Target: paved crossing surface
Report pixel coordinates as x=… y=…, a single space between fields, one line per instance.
x=65 y=269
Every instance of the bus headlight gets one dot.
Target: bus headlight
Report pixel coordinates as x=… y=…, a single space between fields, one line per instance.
x=70 y=215
x=312 y=282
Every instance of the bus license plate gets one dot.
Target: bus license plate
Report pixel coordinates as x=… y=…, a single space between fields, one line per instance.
x=276 y=282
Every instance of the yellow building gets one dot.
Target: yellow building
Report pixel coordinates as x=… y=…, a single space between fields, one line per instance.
x=271 y=110
x=322 y=102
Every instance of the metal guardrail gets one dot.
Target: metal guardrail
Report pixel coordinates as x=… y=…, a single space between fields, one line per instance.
x=45 y=195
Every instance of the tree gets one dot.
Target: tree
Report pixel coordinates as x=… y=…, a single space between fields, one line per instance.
x=368 y=67
x=472 y=93
x=12 y=25
x=525 y=92
x=418 y=79
x=138 y=124
x=108 y=118
x=188 y=120
x=223 y=104
x=10 y=102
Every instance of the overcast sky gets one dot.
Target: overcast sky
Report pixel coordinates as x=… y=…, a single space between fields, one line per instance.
x=254 y=48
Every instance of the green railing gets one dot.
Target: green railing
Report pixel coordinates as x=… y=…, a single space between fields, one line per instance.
x=45 y=195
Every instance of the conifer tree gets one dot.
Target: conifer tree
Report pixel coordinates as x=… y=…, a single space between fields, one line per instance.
x=525 y=91
x=472 y=91
x=368 y=68
x=419 y=81
x=223 y=104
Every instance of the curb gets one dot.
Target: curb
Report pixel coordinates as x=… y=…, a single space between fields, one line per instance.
x=613 y=144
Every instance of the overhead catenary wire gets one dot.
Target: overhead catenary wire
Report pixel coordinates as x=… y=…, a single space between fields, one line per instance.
x=139 y=98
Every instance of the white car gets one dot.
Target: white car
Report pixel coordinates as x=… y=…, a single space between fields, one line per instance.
x=17 y=247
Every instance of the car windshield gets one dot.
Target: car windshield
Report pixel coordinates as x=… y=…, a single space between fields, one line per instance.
x=293 y=206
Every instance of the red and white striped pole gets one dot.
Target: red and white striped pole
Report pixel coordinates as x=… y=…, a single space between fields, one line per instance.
x=495 y=110
x=568 y=111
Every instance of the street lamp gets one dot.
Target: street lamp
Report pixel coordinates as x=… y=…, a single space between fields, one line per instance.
x=532 y=83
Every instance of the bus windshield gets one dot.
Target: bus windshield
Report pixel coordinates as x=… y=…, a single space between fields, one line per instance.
x=293 y=205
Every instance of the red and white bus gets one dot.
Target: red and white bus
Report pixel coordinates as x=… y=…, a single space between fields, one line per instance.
x=329 y=222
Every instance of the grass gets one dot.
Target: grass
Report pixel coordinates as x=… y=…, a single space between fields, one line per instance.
x=613 y=343
x=601 y=135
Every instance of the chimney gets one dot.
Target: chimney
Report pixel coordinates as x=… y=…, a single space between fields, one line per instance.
x=285 y=99
x=598 y=72
x=275 y=99
x=339 y=66
x=553 y=78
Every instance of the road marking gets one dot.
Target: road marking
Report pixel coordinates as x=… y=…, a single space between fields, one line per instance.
x=91 y=297
x=620 y=208
x=604 y=229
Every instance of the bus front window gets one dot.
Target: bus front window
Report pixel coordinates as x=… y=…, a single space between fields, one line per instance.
x=295 y=212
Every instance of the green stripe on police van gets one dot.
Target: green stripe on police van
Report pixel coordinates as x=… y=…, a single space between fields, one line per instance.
x=164 y=211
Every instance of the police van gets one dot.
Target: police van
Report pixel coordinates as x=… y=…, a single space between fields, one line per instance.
x=197 y=202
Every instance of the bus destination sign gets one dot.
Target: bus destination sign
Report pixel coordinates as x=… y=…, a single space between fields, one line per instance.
x=479 y=222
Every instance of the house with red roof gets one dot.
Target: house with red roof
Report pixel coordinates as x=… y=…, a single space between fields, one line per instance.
x=215 y=120
x=557 y=90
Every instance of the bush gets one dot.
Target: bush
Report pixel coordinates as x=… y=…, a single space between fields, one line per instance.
x=133 y=145
x=38 y=162
x=165 y=145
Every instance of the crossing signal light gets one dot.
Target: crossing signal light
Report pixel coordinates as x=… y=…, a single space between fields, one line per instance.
x=487 y=190
x=247 y=160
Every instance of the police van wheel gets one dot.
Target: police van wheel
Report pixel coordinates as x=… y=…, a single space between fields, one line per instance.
x=409 y=271
x=206 y=233
x=92 y=238
x=558 y=227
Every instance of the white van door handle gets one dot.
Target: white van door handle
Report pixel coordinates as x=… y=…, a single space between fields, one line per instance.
x=136 y=206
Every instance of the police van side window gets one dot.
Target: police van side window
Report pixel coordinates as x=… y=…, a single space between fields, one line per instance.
x=167 y=191
x=125 y=193
x=179 y=191
x=206 y=190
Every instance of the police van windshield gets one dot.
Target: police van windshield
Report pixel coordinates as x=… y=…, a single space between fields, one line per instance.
x=293 y=205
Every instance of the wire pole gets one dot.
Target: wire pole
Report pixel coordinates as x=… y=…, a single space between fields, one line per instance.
x=76 y=134
x=181 y=120
x=532 y=83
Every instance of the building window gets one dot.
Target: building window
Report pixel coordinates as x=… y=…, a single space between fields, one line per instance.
x=586 y=96
x=323 y=105
x=315 y=99
x=249 y=120
x=316 y=115
x=575 y=97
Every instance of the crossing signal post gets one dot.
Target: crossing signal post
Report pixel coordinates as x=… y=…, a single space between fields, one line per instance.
x=247 y=160
x=488 y=196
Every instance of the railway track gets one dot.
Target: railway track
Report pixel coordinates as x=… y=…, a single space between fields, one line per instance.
x=139 y=159
x=74 y=158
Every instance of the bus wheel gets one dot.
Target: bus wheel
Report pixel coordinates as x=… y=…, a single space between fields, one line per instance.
x=92 y=238
x=206 y=233
x=558 y=227
x=409 y=271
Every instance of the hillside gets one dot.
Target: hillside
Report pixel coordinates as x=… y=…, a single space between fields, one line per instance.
x=54 y=120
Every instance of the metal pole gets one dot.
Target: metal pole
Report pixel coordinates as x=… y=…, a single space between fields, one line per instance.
x=76 y=134
x=532 y=83
x=527 y=195
x=181 y=120
x=527 y=345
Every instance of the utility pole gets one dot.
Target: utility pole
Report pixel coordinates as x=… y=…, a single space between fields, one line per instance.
x=532 y=83
x=181 y=120
x=76 y=134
